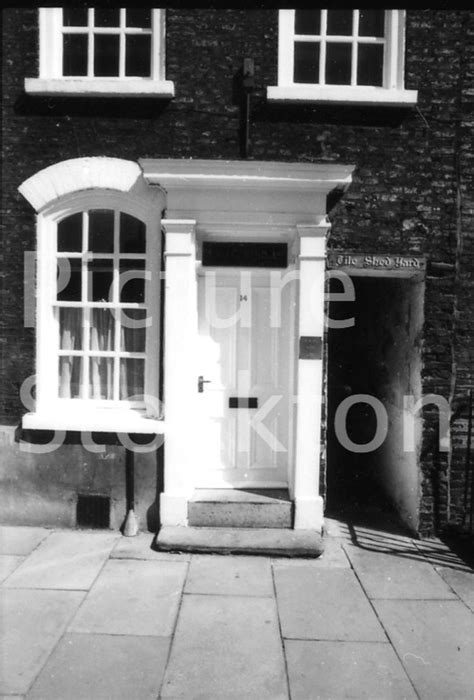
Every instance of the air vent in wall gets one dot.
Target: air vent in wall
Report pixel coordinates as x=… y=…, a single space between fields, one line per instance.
x=93 y=511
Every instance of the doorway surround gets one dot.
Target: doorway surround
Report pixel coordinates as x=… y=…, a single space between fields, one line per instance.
x=243 y=201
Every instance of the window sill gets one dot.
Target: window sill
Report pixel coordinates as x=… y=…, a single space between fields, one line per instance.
x=100 y=421
x=342 y=94
x=100 y=87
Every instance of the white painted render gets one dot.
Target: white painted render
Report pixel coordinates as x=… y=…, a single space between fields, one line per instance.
x=253 y=201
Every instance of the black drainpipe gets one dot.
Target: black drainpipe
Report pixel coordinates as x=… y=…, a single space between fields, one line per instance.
x=247 y=85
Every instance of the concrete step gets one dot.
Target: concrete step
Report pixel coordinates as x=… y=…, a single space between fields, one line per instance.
x=240 y=508
x=227 y=540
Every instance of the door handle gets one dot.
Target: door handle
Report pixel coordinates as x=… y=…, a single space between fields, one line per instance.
x=201 y=382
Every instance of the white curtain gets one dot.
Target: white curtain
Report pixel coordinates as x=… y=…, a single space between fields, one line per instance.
x=132 y=340
x=101 y=369
x=70 y=368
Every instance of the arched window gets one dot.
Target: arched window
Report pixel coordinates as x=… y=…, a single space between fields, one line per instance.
x=98 y=291
x=101 y=308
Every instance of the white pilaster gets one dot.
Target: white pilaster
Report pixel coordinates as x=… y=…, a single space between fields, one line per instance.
x=312 y=253
x=179 y=373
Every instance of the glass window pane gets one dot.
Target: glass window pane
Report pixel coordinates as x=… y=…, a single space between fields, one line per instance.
x=106 y=55
x=338 y=64
x=75 y=16
x=101 y=378
x=100 y=278
x=340 y=22
x=101 y=231
x=75 y=54
x=69 y=287
x=132 y=282
x=138 y=17
x=70 y=329
x=372 y=23
x=133 y=330
x=132 y=234
x=132 y=379
x=307 y=21
x=70 y=234
x=138 y=55
x=102 y=332
x=70 y=373
x=370 y=64
x=106 y=17
x=306 y=68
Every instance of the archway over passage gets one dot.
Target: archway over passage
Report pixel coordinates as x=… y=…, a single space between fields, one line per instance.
x=373 y=364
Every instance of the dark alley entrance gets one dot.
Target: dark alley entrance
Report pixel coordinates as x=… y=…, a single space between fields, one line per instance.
x=377 y=356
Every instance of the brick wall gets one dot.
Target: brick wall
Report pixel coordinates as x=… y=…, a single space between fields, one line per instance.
x=412 y=189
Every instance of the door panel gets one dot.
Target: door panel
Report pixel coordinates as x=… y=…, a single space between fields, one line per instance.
x=244 y=352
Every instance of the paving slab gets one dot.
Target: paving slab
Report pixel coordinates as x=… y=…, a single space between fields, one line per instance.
x=396 y=576
x=236 y=575
x=226 y=647
x=32 y=623
x=21 y=540
x=324 y=604
x=337 y=528
x=99 y=667
x=435 y=642
x=133 y=597
x=379 y=540
x=439 y=554
x=333 y=556
x=142 y=547
x=8 y=564
x=345 y=670
x=68 y=560
x=462 y=583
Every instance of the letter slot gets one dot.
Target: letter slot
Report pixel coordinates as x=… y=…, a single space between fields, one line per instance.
x=243 y=402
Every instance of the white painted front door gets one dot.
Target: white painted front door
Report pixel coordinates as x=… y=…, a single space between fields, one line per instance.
x=244 y=380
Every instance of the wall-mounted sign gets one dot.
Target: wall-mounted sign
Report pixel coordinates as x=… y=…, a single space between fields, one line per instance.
x=372 y=261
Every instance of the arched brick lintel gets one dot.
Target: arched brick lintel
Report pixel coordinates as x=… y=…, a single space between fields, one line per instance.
x=78 y=174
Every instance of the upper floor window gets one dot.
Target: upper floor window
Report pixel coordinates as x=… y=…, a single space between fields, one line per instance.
x=100 y=51
x=342 y=55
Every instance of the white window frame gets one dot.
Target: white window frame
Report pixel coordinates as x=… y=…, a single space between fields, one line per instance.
x=81 y=413
x=51 y=81
x=391 y=93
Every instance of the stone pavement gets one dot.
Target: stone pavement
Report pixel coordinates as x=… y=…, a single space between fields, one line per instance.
x=93 y=615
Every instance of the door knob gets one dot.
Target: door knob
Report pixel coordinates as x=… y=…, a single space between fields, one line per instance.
x=201 y=382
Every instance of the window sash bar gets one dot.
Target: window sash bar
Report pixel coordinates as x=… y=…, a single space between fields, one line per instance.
x=122 y=44
x=322 y=50
x=354 y=52
x=90 y=44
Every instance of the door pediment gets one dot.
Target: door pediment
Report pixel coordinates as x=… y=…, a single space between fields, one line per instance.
x=253 y=196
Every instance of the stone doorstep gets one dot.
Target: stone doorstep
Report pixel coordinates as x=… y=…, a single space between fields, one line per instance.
x=262 y=496
x=221 y=540
x=244 y=508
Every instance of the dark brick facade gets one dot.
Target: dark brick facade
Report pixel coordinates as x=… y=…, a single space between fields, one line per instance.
x=412 y=191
